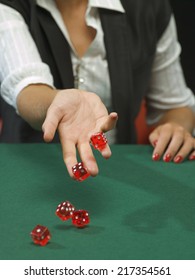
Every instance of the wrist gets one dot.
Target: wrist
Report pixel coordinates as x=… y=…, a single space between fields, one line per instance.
x=33 y=103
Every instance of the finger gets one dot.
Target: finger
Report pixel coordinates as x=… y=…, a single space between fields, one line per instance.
x=110 y=122
x=153 y=137
x=69 y=154
x=102 y=145
x=185 y=149
x=88 y=158
x=174 y=146
x=160 y=140
x=106 y=152
x=192 y=155
x=50 y=125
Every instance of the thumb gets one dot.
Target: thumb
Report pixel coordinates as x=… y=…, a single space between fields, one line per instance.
x=110 y=122
x=153 y=137
x=50 y=124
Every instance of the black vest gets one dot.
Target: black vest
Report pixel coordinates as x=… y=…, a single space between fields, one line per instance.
x=130 y=41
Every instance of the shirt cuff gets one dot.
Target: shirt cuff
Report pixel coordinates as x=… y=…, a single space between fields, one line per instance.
x=13 y=84
x=154 y=114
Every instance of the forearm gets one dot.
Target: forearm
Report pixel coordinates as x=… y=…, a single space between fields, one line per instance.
x=33 y=103
x=182 y=116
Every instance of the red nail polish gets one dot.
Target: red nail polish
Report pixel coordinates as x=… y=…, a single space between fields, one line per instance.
x=192 y=157
x=156 y=157
x=155 y=142
x=178 y=159
x=167 y=158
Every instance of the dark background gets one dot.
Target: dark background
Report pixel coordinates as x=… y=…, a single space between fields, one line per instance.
x=184 y=11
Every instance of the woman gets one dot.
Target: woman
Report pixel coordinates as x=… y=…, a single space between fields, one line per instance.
x=65 y=63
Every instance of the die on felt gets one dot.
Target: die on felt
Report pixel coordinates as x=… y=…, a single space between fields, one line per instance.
x=65 y=210
x=40 y=235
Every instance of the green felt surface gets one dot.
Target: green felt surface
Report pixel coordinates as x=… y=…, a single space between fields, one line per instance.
x=139 y=209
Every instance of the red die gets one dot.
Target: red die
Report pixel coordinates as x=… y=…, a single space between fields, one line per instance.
x=80 y=172
x=40 y=235
x=99 y=141
x=80 y=218
x=65 y=210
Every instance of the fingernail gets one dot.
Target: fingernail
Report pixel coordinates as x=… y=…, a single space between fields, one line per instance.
x=156 y=156
x=178 y=159
x=167 y=158
x=192 y=157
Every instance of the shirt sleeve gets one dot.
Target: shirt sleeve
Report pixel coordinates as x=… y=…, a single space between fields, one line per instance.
x=168 y=87
x=20 y=62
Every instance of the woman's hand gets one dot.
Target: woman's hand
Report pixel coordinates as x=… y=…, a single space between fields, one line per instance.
x=172 y=142
x=77 y=115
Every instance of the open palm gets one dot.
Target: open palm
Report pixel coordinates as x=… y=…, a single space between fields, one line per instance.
x=77 y=115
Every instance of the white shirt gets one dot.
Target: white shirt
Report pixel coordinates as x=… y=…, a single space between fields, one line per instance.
x=21 y=65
